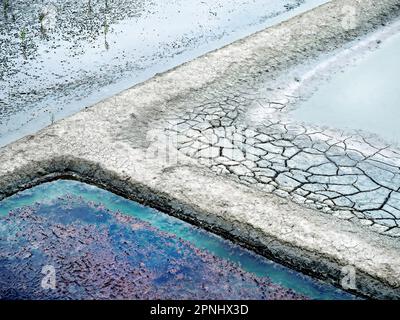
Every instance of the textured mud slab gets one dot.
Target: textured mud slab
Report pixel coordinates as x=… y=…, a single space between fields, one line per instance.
x=59 y=56
x=249 y=134
x=136 y=253
x=344 y=174
x=130 y=144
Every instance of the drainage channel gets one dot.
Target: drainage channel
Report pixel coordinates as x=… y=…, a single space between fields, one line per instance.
x=69 y=240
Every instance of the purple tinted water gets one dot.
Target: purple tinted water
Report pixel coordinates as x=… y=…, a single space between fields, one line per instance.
x=103 y=246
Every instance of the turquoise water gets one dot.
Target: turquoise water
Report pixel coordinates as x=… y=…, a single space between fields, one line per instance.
x=247 y=260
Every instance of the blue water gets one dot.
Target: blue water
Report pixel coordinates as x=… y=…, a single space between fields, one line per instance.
x=247 y=260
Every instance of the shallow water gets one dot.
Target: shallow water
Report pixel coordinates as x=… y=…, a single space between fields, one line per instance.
x=364 y=97
x=59 y=56
x=94 y=237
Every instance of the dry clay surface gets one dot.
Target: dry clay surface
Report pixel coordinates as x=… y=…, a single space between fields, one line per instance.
x=312 y=199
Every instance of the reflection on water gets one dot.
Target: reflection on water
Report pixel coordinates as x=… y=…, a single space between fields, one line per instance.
x=59 y=56
x=104 y=246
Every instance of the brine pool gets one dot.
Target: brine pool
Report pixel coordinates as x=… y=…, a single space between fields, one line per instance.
x=364 y=97
x=59 y=56
x=70 y=240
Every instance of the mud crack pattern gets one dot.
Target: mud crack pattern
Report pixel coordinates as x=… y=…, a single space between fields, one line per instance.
x=345 y=175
